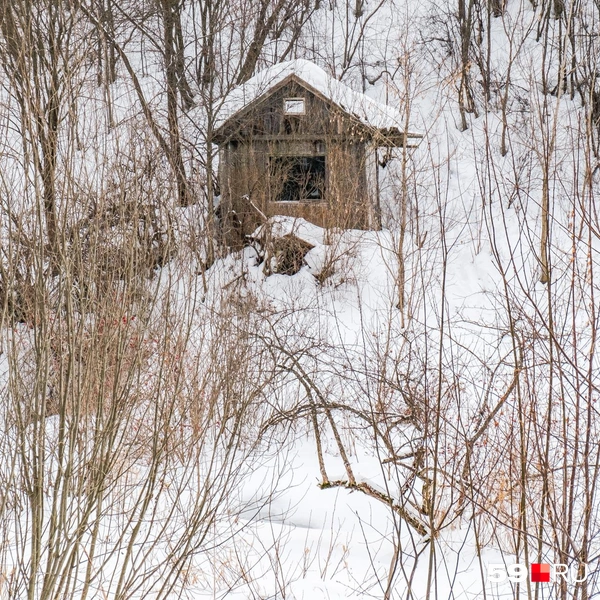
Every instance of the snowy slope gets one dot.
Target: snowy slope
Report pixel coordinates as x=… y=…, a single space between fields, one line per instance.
x=474 y=412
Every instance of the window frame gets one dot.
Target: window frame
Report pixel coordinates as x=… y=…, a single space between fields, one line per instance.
x=311 y=184
x=292 y=113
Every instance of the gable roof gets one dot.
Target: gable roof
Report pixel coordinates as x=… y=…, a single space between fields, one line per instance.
x=367 y=111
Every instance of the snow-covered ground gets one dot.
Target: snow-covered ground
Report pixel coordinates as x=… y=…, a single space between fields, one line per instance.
x=241 y=433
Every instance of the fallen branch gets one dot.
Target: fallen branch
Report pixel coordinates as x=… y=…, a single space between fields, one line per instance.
x=365 y=488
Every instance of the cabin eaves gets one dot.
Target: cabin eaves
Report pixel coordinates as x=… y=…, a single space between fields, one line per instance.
x=383 y=122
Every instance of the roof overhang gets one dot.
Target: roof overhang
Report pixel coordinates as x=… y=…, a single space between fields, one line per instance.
x=392 y=136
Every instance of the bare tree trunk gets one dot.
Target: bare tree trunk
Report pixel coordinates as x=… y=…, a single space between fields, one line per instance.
x=282 y=11
x=466 y=101
x=185 y=92
x=545 y=267
x=31 y=61
x=172 y=87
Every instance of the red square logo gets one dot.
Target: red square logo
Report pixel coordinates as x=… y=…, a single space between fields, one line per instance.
x=540 y=573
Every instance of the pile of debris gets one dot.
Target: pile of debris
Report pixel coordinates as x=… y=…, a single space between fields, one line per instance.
x=281 y=253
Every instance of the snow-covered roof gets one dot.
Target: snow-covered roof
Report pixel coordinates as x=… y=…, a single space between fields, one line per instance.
x=365 y=109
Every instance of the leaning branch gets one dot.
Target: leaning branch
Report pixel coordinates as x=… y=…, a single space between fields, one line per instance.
x=365 y=488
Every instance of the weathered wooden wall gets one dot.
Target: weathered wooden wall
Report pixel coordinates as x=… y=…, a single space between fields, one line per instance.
x=247 y=189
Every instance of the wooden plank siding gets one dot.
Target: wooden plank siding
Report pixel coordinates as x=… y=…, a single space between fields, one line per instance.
x=262 y=132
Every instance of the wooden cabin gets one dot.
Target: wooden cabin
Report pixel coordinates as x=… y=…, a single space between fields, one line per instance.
x=297 y=142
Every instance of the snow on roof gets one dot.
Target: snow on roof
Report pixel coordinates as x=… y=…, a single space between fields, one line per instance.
x=365 y=109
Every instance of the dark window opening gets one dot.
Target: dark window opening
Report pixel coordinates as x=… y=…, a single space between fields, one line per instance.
x=297 y=178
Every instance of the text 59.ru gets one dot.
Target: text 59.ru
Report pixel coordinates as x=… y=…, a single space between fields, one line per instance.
x=537 y=573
